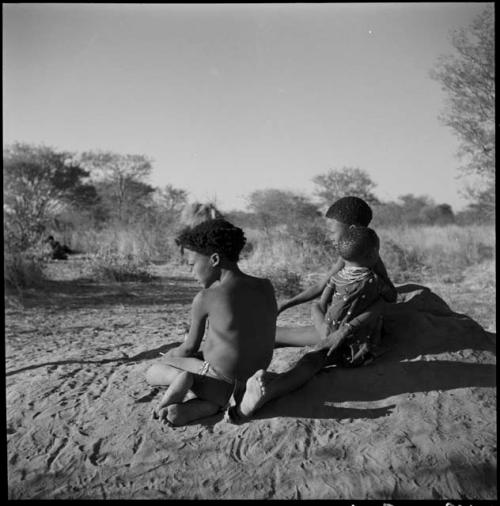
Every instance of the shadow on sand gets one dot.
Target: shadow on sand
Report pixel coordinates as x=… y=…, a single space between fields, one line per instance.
x=143 y=355
x=421 y=323
x=376 y=384
x=82 y=293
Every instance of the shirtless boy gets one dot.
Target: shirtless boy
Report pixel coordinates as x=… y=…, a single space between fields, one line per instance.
x=326 y=338
x=240 y=311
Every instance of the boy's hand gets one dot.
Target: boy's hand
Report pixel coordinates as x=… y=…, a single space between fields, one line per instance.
x=333 y=340
x=175 y=352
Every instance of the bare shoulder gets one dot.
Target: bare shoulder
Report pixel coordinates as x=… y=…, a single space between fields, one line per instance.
x=263 y=284
x=202 y=299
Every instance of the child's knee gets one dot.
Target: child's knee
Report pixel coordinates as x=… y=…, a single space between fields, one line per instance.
x=151 y=374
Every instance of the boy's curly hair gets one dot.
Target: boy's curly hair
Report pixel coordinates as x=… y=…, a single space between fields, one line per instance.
x=351 y=211
x=359 y=244
x=213 y=236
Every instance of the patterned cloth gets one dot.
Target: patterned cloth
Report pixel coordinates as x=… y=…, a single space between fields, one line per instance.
x=354 y=291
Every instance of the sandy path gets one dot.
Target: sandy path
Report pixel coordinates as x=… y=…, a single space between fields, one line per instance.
x=418 y=424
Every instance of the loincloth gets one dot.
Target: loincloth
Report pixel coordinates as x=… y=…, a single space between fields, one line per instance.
x=209 y=371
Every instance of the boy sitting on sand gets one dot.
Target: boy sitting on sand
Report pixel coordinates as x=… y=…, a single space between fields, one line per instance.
x=241 y=314
x=347 y=319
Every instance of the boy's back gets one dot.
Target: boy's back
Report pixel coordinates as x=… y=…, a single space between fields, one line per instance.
x=242 y=314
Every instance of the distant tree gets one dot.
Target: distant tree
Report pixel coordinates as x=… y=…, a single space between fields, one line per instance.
x=468 y=78
x=273 y=207
x=387 y=214
x=348 y=181
x=441 y=214
x=474 y=214
x=120 y=181
x=243 y=219
x=170 y=199
x=412 y=208
x=40 y=184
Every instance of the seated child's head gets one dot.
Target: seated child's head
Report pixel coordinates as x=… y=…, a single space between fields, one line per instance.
x=359 y=246
x=346 y=212
x=210 y=244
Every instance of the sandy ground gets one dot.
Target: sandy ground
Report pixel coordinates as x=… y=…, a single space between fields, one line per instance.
x=420 y=423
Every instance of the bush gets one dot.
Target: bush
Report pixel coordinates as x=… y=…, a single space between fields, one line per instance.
x=145 y=243
x=109 y=266
x=402 y=264
x=285 y=281
x=441 y=253
x=22 y=270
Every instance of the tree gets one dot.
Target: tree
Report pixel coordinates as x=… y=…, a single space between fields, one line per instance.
x=274 y=207
x=413 y=207
x=468 y=78
x=348 y=181
x=442 y=214
x=40 y=184
x=120 y=181
x=170 y=199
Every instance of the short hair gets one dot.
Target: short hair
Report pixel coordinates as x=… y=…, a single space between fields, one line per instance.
x=213 y=236
x=351 y=211
x=358 y=244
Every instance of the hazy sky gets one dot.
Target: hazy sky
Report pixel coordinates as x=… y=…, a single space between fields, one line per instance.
x=227 y=99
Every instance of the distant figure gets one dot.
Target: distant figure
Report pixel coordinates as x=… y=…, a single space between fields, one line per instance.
x=195 y=213
x=59 y=251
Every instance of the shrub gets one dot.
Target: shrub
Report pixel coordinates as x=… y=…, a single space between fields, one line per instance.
x=435 y=252
x=144 y=244
x=285 y=281
x=402 y=263
x=22 y=270
x=111 y=266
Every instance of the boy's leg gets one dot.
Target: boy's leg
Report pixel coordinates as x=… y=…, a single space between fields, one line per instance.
x=303 y=336
x=264 y=386
x=174 y=394
x=165 y=372
x=181 y=414
x=296 y=336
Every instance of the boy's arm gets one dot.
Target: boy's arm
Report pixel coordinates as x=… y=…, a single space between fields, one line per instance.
x=388 y=291
x=313 y=291
x=193 y=340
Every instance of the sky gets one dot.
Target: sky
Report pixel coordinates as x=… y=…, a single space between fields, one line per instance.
x=231 y=98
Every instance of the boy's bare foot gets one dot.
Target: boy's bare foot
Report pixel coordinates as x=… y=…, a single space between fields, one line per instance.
x=256 y=393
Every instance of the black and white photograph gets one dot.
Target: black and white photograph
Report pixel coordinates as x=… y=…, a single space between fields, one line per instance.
x=200 y=201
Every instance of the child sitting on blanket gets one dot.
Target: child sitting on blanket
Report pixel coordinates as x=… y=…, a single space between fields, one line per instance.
x=241 y=314
x=343 y=214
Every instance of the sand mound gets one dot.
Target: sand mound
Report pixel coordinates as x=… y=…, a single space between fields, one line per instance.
x=420 y=423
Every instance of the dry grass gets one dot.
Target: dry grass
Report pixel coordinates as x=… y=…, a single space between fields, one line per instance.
x=444 y=253
x=144 y=244
x=419 y=254
x=409 y=253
